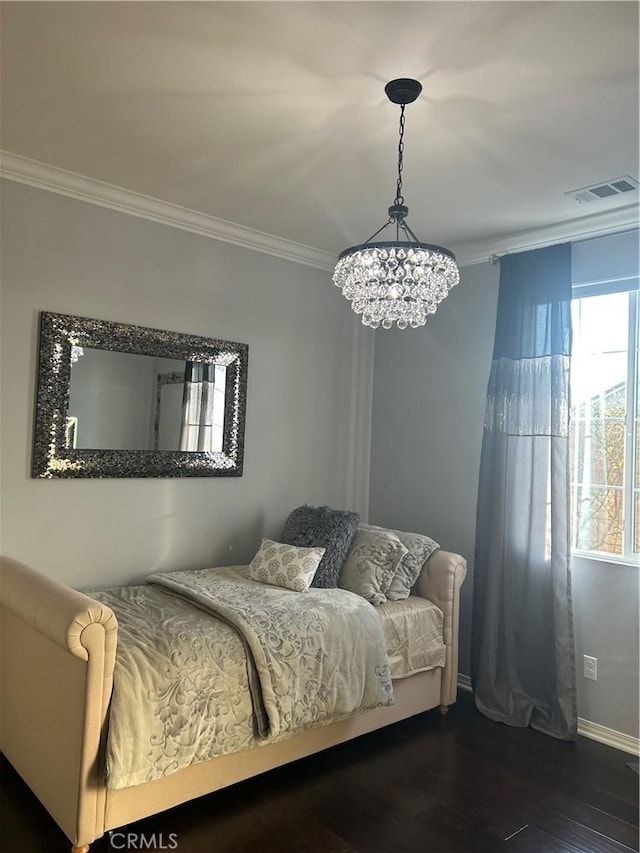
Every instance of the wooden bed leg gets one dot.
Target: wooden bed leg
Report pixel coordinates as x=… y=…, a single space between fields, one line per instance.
x=84 y=848
x=444 y=710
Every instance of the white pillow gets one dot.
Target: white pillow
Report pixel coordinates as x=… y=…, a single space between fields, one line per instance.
x=285 y=565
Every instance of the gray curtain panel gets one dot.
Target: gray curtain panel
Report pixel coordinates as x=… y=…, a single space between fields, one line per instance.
x=523 y=661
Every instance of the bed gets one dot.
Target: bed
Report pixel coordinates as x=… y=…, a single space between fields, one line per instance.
x=59 y=650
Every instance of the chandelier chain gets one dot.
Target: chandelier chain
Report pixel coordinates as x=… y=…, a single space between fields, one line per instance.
x=397 y=281
x=399 y=196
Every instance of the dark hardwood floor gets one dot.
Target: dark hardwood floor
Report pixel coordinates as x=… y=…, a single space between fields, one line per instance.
x=458 y=784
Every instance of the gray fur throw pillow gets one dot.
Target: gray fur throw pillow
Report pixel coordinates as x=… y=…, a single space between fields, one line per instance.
x=322 y=527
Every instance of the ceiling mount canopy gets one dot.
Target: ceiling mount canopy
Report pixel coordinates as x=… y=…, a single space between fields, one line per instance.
x=400 y=280
x=404 y=90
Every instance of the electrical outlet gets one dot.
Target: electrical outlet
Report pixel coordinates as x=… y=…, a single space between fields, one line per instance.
x=590 y=667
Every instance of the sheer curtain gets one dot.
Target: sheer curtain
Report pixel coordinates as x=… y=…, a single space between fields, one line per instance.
x=201 y=424
x=523 y=663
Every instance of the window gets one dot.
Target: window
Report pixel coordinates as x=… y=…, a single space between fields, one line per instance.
x=605 y=412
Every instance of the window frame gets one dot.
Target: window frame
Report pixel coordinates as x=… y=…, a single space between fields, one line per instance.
x=622 y=284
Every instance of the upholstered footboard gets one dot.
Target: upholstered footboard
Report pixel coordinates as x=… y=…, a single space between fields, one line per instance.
x=58 y=654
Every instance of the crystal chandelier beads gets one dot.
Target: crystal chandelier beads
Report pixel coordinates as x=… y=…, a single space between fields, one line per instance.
x=401 y=281
x=391 y=283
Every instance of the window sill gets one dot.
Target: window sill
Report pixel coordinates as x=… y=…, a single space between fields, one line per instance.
x=610 y=559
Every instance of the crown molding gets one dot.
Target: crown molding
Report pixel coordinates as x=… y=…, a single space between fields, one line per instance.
x=584 y=228
x=51 y=178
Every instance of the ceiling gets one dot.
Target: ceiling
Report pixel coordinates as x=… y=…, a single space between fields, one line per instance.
x=273 y=114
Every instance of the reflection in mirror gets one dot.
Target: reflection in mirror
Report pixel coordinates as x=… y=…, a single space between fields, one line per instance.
x=127 y=401
x=202 y=407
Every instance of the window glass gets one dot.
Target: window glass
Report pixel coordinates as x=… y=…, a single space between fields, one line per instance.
x=599 y=447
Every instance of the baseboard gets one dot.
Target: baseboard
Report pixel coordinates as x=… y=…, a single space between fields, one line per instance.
x=593 y=731
x=464 y=682
x=610 y=737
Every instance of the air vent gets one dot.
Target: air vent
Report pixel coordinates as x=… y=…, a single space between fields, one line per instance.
x=606 y=189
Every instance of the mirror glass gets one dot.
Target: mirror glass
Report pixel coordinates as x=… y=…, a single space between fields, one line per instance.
x=127 y=401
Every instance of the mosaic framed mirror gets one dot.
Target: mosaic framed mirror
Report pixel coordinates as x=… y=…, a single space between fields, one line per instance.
x=115 y=400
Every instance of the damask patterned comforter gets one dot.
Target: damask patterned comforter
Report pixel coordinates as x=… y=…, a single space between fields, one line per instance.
x=210 y=662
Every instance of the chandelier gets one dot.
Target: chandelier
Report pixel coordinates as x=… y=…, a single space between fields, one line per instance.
x=400 y=280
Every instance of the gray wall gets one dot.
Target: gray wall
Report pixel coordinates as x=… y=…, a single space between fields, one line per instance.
x=605 y=614
x=428 y=407
x=309 y=403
